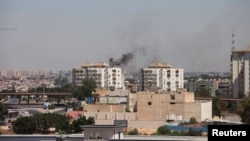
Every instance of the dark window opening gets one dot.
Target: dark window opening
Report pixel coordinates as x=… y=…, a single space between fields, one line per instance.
x=149 y=103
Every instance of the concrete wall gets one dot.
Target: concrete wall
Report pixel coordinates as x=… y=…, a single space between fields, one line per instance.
x=145 y=124
x=206 y=110
x=157 y=106
x=105 y=133
x=152 y=106
x=132 y=100
x=192 y=110
x=103 y=108
x=111 y=115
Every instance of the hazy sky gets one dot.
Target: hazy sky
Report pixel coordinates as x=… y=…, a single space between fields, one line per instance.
x=195 y=35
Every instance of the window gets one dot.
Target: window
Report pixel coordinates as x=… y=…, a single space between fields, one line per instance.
x=172 y=97
x=149 y=103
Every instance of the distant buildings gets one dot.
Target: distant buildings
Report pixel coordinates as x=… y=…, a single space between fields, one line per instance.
x=240 y=72
x=106 y=76
x=208 y=87
x=161 y=76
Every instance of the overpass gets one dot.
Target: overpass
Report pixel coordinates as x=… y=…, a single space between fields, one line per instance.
x=57 y=95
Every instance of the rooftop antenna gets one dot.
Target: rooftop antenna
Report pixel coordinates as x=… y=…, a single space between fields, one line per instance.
x=233 y=40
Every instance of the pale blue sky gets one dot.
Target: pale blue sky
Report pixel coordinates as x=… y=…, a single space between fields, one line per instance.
x=62 y=34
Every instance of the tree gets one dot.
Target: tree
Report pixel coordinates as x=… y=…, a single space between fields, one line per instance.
x=3 y=111
x=88 y=86
x=244 y=110
x=133 y=132
x=82 y=121
x=193 y=120
x=163 y=130
x=218 y=106
x=61 y=81
x=24 y=125
x=42 y=123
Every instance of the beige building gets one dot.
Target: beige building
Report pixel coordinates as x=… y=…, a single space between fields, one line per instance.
x=240 y=72
x=151 y=106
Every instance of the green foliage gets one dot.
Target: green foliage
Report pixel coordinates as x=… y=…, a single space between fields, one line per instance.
x=163 y=130
x=244 y=110
x=232 y=106
x=218 y=106
x=41 y=123
x=61 y=81
x=24 y=125
x=155 y=133
x=192 y=132
x=82 y=121
x=193 y=120
x=88 y=86
x=133 y=132
x=177 y=133
x=3 y=111
x=9 y=91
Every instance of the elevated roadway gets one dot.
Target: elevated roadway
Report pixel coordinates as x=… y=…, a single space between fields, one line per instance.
x=221 y=98
x=50 y=95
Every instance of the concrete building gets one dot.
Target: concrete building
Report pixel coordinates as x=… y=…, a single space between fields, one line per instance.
x=223 y=87
x=240 y=74
x=102 y=132
x=106 y=76
x=151 y=106
x=161 y=76
x=206 y=87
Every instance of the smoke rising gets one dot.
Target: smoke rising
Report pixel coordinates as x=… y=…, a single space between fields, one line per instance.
x=123 y=61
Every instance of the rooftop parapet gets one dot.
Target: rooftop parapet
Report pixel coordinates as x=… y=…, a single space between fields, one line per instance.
x=160 y=65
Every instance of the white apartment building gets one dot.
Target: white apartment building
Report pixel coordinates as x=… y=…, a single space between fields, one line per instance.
x=105 y=76
x=161 y=76
x=240 y=74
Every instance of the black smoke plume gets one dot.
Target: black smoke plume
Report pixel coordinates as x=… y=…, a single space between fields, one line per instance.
x=123 y=61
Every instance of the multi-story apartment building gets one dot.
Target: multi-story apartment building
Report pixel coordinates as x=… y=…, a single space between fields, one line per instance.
x=206 y=87
x=240 y=72
x=161 y=76
x=223 y=87
x=105 y=76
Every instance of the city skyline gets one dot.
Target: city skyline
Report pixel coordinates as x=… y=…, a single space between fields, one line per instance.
x=61 y=35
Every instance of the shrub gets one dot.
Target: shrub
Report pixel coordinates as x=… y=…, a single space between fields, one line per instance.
x=133 y=132
x=192 y=120
x=163 y=130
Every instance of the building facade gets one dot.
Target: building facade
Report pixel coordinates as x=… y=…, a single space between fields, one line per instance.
x=240 y=74
x=161 y=76
x=105 y=76
x=151 y=106
x=223 y=88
